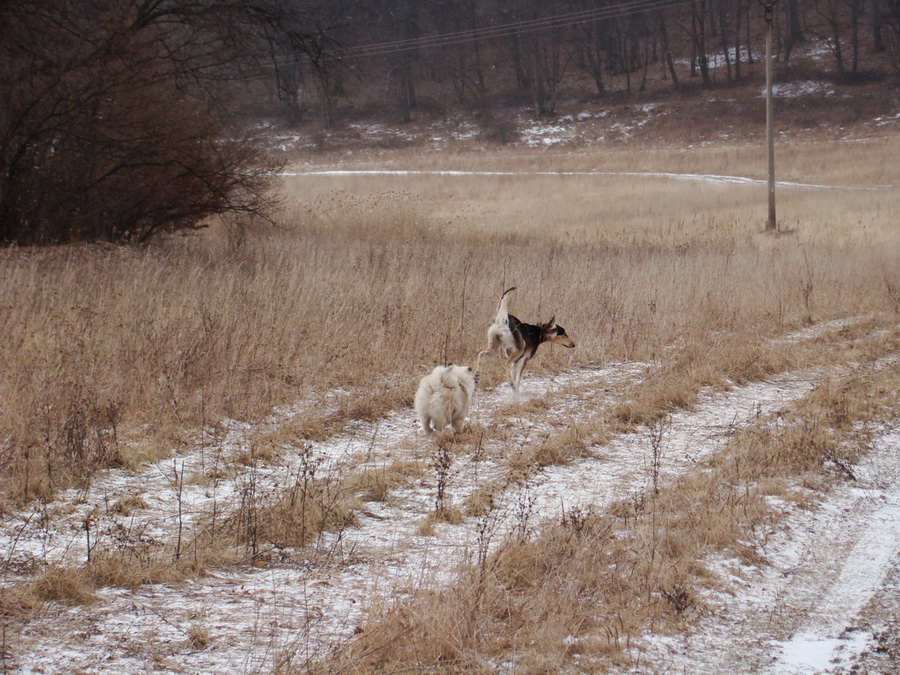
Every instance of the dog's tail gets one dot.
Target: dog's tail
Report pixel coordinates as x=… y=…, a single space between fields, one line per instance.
x=502 y=306
x=449 y=379
x=501 y=319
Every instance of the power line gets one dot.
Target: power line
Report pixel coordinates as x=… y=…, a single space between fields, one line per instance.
x=626 y=8
x=525 y=26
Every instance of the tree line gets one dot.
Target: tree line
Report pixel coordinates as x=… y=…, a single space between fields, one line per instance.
x=476 y=48
x=121 y=119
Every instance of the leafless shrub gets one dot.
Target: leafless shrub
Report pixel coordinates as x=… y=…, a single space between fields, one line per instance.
x=679 y=596
x=111 y=124
x=272 y=518
x=497 y=127
x=657 y=434
x=443 y=462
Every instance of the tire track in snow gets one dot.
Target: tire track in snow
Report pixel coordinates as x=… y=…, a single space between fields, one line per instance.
x=251 y=617
x=800 y=613
x=254 y=617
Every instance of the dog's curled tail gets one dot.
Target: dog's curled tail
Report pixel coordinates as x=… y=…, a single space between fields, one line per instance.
x=449 y=379
x=502 y=306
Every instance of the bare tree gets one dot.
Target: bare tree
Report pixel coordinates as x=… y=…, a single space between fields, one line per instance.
x=511 y=12
x=113 y=126
x=546 y=69
x=592 y=43
x=460 y=59
x=878 y=24
x=830 y=12
x=404 y=25
x=667 y=51
x=304 y=43
x=795 y=28
x=889 y=19
x=698 y=38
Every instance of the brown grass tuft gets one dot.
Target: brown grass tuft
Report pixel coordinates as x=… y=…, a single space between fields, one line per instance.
x=198 y=637
x=127 y=505
x=64 y=585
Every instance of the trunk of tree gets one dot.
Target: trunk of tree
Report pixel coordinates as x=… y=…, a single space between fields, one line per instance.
x=795 y=28
x=698 y=29
x=723 y=39
x=667 y=52
x=406 y=27
x=878 y=18
x=646 y=65
x=831 y=16
x=476 y=49
x=521 y=70
x=738 y=57
x=855 y=10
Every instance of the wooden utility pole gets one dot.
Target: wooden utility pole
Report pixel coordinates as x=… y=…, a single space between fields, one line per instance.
x=771 y=224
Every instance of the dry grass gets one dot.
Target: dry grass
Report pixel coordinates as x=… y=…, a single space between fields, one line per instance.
x=63 y=585
x=112 y=357
x=113 y=369
x=624 y=211
x=589 y=584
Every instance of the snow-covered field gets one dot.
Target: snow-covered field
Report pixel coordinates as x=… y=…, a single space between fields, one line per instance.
x=796 y=615
x=805 y=612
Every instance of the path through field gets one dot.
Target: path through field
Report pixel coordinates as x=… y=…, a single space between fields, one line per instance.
x=829 y=599
x=691 y=177
x=297 y=606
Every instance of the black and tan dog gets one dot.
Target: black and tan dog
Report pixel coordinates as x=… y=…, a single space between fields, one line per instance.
x=519 y=340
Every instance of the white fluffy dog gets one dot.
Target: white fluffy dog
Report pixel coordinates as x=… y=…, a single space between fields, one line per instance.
x=444 y=396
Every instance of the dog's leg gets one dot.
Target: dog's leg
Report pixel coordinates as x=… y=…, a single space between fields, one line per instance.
x=426 y=424
x=517 y=367
x=498 y=331
x=515 y=364
x=494 y=342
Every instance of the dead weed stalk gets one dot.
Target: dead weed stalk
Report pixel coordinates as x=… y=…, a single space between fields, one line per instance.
x=592 y=582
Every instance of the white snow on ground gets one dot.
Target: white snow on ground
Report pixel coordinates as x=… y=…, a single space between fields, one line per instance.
x=694 y=177
x=302 y=606
x=798 y=89
x=800 y=613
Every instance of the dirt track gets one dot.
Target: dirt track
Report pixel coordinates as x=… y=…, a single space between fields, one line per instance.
x=827 y=600
x=829 y=590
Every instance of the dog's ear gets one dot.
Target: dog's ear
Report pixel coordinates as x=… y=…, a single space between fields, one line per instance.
x=552 y=320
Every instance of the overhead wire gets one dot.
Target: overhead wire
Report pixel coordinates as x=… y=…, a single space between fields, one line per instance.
x=517 y=27
x=625 y=8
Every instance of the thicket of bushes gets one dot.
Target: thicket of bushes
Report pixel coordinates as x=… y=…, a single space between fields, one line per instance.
x=113 y=125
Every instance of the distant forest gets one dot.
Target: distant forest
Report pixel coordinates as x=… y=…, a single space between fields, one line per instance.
x=479 y=51
x=121 y=119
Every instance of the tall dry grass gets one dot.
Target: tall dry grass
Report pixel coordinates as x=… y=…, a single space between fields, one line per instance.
x=577 y=595
x=113 y=356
